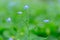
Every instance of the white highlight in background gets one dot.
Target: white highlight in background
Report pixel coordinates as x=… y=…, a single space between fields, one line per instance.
x=11 y=4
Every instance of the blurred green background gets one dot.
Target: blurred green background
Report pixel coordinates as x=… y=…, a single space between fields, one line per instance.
x=29 y=19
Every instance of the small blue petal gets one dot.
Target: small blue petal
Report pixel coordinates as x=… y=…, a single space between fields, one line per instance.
x=9 y=19
x=46 y=20
x=26 y=7
x=10 y=38
x=19 y=12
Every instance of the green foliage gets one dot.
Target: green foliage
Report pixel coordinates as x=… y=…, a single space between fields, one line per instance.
x=39 y=20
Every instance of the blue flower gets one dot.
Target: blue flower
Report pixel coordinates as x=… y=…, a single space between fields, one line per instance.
x=19 y=12
x=26 y=7
x=10 y=38
x=46 y=20
x=8 y=19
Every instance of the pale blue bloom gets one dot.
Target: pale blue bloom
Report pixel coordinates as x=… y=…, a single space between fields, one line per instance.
x=19 y=12
x=8 y=19
x=26 y=7
x=10 y=38
x=46 y=20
